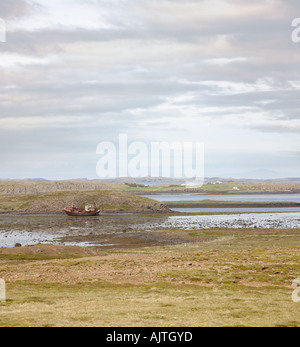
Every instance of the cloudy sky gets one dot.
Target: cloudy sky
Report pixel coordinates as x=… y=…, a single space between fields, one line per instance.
x=75 y=73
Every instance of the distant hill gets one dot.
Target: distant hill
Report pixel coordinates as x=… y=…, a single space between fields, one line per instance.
x=170 y=180
x=12 y=187
x=55 y=202
x=215 y=184
x=154 y=180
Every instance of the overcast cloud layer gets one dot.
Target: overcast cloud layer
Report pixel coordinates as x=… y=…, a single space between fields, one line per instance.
x=74 y=73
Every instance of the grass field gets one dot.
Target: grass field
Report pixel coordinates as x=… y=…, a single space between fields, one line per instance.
x=224 y=278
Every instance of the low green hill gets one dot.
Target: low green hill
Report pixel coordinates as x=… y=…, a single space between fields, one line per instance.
x=106 y=200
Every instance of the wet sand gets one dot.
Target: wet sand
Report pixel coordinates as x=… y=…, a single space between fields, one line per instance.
x=129 y=231
x=109 y=231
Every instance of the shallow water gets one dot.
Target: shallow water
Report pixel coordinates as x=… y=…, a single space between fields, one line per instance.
x=239 y=209
x=227 y=197
x=80 y=231
x=255 y=220
x=107 y=231
x=233 y=197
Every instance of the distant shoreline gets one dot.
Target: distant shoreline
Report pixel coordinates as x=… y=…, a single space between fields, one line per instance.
x=220 y=192
x=217 y=204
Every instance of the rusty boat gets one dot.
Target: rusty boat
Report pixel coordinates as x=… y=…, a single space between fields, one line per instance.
x=88 y=211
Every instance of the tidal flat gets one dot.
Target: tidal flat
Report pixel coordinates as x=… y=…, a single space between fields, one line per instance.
x=129 y=230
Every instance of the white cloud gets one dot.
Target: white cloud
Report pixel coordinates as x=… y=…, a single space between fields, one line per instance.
x=62 y=15
x=223 y=72
x=231 y=88
x=225 y=61
x=11 y=60
x=43 y=122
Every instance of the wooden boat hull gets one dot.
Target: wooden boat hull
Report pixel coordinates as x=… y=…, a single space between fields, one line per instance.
x=78 y=212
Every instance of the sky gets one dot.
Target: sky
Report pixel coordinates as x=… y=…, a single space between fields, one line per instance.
x=76 y=73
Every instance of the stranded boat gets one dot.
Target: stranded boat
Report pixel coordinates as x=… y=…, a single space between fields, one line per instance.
x=88 y=211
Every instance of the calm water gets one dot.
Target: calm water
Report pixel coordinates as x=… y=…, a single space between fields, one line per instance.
x=232 y=197
x=235 y=210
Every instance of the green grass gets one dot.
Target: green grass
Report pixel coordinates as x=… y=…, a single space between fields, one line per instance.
x=225 y=278
x=144 y=188
x=30 y=257
x=162 y=305
x=245 y=187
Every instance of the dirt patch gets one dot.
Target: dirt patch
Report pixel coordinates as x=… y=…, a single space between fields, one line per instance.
x=131 y=240
x=50 y=250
